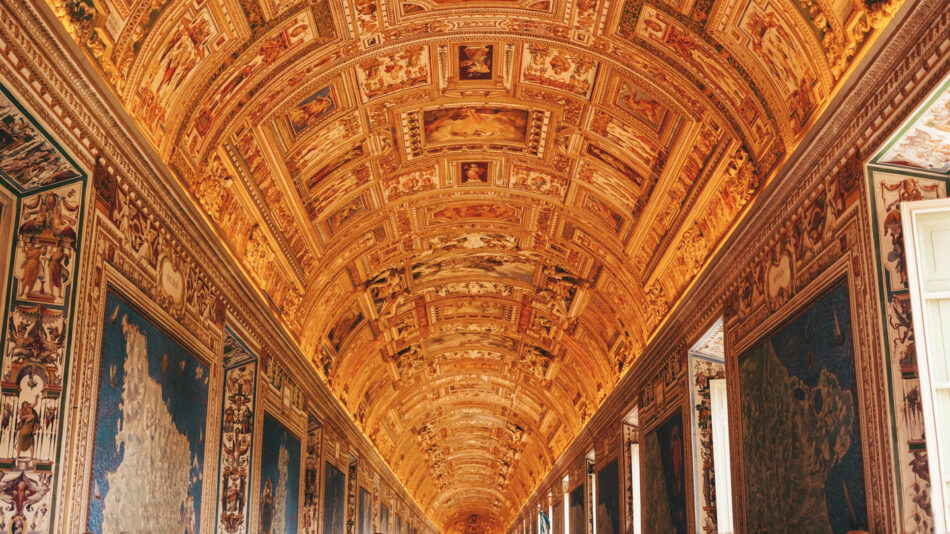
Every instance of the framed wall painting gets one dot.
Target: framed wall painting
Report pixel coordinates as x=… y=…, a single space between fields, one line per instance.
x=150 y=427
x=334 y=498
x=279 y=479
x=365 y=525
x=663 y=478
x=802 y=458
x=608 y=498
x=578 y=510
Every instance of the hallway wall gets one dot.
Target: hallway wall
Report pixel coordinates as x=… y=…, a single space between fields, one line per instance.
x=144 y=384
x=810 y=236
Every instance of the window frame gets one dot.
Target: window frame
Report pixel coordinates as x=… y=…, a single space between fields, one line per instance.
x=937 y=462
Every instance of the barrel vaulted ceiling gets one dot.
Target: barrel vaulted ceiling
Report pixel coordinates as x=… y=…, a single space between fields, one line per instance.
x=473 y=215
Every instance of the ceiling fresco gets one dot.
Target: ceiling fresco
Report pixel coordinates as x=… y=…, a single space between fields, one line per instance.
x=924 y=143
x=473 y=215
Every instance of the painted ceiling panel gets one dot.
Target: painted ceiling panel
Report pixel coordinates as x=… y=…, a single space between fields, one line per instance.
x=473 y=215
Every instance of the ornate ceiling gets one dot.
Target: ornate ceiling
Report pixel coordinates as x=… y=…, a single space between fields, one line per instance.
x=473 y=215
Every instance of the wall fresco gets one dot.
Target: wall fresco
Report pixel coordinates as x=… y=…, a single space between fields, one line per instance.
x=926 y=144
x=801 y=440
x=28 y=158
x=663 y=478
x=150 y=428
x=280 y=479
x=334 y=499
x=608 y=498
x=38 y=314
x=311 y=477
x=703 y=370
x=888 y=189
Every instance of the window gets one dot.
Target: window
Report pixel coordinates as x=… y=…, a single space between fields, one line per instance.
x=591 y=493
x=547 y=516
x=631 y=438
x=635 y=487
x=710 y=478
x=927 y=236
x=566 y=487
x=720 y=436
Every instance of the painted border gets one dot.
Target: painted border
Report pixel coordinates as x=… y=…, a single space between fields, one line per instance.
x=694 y=421
x=255 y=361
x=69 y=308
x=884 y=292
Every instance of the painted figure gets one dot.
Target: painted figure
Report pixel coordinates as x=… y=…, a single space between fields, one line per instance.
x=475 y=123
x=50 y=215
x=558 y=69
x=26 y=428
x=26 y=155
x=474 y=172
x=311 y=109
x=55 y=270
x=267 y=507
x=32 y=254
x=475 y=62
